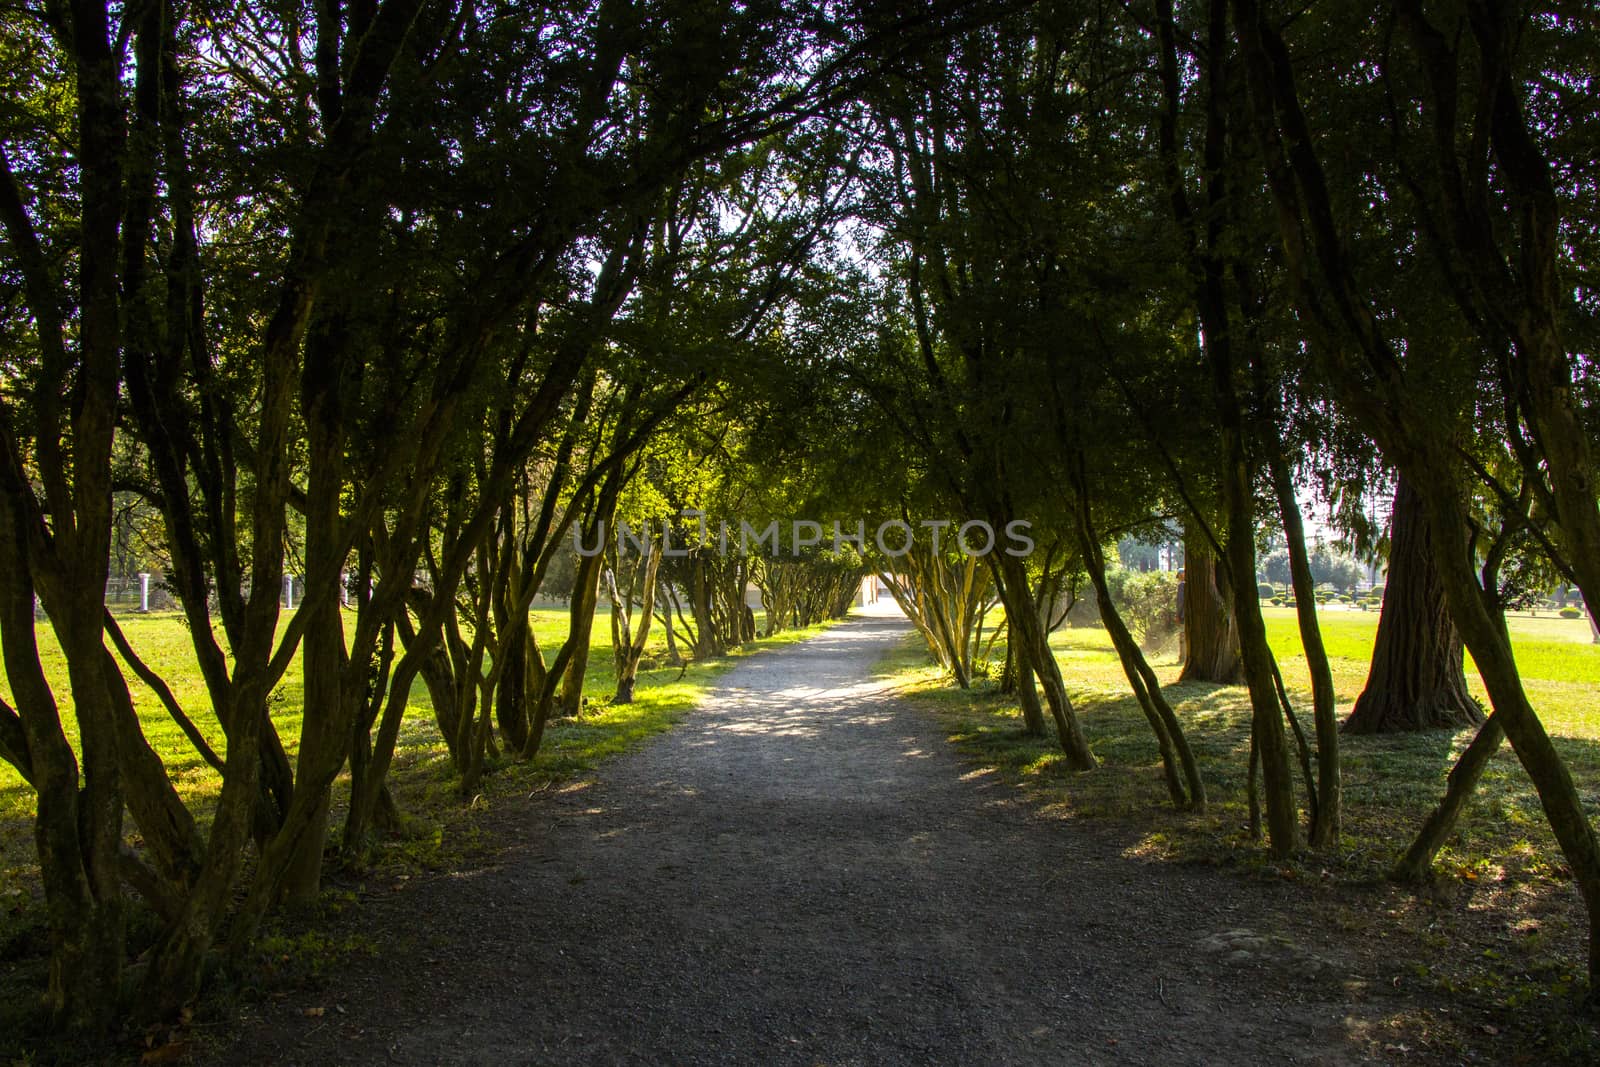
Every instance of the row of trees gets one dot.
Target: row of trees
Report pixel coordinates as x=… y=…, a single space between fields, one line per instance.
x=1171 y=263
x=404 y=290
x=419 y=291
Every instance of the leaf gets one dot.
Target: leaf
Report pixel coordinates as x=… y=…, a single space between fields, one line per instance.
x=171 y=1052
x=316 y=1013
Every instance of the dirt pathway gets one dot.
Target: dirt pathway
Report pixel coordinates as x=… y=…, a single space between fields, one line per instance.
x=804 y=873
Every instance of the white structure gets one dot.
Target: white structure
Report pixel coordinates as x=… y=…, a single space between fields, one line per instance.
x=144 y=593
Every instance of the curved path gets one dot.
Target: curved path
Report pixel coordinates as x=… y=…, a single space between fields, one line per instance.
x=804 y=873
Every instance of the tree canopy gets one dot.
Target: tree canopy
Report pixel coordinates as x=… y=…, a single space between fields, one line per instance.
x=403 y=299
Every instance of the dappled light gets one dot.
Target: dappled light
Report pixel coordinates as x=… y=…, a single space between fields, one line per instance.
x=971 y=532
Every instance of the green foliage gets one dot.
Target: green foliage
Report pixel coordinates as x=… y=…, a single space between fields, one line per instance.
x=1147 y=600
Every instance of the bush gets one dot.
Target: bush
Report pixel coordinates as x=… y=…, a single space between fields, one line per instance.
x=1148 y=602
x=1266 y=591
x=1376 y=592
x=1277 y=601
x=1571 y=613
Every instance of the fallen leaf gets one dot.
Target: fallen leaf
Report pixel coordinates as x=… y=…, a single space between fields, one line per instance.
x=171 y=1052
x=316 y=1013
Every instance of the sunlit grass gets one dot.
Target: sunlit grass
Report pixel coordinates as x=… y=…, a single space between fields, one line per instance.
x=423 y=778
x=1503 y=855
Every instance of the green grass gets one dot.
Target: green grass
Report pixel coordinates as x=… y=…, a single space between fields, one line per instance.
x=1502 y=870
x=1561 y=671
x=422 y=778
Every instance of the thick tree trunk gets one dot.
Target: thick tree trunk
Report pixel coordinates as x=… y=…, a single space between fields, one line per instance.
x=1209 y=625
x=511 y=691
x=440 y=680
x=1417 y=681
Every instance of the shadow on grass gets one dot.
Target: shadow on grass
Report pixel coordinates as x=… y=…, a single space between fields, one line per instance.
x=1501 y=919
x=441 y=828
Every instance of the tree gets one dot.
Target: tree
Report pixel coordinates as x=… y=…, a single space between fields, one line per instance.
x=1417 y=679
x=1212 y=638
x=1392 y=389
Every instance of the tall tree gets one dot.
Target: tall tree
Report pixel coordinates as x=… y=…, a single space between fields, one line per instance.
x=1418 y=677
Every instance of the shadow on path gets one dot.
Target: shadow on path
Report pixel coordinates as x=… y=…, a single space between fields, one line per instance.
x=803 y=872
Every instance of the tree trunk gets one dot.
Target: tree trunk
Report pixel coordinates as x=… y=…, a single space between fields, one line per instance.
x=85 y=930
x=511 y=690
x=1324 y=703
x=1018 y=596
x=633 y=645
x=440 y=680
x=323 y=659
x=668 y=601
x=1209 y=625
x=1436 y=829
x=1417 y=680
x=708 y=644
x=1021 y=671
x=1486 y=636
x=1184 y=784
x=585 y=597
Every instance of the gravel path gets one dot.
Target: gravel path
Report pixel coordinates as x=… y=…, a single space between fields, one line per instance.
x=804 y=873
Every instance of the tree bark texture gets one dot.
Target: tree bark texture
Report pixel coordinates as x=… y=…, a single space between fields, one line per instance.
x=1417 y=680
x=1208 y=620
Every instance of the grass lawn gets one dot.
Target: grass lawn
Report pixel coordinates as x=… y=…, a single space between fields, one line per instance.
x=1501 y=876
x=422 y=778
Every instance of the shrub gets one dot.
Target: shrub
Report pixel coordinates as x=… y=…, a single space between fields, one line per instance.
x=1571 y=613
x=1277 y=601
x=1376 y=593
x=1266 y=591
x=1148 y=602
